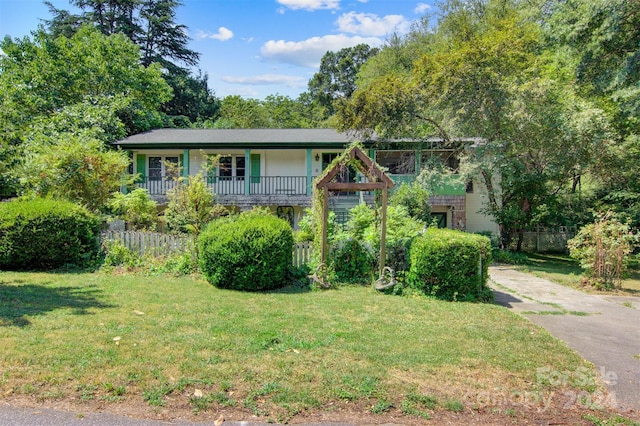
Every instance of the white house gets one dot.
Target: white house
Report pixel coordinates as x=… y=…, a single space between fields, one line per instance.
x=276 y=168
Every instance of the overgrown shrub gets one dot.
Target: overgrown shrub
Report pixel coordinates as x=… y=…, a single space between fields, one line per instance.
x=136 y=208
x=603 y=249
x=450 y=265
x=247 y=252
x=47 y=234
x=117 y=254
x=415 y=199
x=352 y=262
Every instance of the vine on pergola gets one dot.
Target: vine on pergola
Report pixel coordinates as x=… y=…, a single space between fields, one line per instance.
x=377 y=180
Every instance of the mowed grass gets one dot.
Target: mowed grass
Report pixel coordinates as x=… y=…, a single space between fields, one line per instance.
x=178 y=341
x=564 y=270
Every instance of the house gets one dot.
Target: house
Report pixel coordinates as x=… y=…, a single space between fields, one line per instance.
x=276 y=168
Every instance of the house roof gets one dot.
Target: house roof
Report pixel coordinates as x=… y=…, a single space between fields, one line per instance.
x=238 y=138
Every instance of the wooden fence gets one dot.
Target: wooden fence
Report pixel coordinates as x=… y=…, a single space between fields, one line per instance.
x=541 y=239
x=159 y=244
x=301 y=253
x=150 y=243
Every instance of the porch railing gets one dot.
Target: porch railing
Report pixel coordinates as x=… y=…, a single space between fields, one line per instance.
x=256 y=185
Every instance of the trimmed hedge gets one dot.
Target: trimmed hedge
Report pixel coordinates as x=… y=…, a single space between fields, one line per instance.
x=47 y=234
x=247 y=252
x=446 y=264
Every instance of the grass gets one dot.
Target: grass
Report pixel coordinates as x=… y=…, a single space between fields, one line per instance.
x=178 y=341
x=564 y=270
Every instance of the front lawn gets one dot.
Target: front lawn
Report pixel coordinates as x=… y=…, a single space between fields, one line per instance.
x=161 y=346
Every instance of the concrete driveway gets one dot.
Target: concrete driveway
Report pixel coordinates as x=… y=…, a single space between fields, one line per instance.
x=604 y=330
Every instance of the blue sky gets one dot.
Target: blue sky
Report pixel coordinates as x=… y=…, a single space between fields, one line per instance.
x=256 y=48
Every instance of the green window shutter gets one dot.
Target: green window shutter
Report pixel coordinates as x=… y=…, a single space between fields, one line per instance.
x=181 y=165
x=141 y=165
x=255 y=168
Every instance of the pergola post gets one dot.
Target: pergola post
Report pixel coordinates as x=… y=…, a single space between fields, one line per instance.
x=383 y=231
x=325 y=219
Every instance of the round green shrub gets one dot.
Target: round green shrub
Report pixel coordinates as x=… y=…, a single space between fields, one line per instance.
x=47 y=234
x=450 y=265
x=247 y=252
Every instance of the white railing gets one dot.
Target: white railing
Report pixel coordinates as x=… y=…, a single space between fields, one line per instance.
x=232 y=185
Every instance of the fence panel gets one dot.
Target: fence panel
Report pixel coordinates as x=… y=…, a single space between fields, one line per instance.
x=548 y=239
x=150 y=243
x=301 y=253
x=158 y=244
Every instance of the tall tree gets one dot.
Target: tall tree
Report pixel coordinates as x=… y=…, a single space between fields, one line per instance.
x=604 y=38
x=485 y=74
x=151 y=24
x=336 y=78
x=63 y=100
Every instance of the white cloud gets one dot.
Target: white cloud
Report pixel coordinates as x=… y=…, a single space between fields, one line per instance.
x=371 y=24
x=308 y=53
x=422 y=8
x=223 y=34
x=310 y=4
x=271 y=79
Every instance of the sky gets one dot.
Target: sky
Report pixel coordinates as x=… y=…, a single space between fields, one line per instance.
x=257 y=48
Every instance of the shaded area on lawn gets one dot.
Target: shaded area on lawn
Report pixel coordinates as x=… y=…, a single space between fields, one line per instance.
x=20 y=301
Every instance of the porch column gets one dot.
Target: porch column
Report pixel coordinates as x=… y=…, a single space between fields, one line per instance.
x=185 y=163
x=309 y=172
x=247 y=171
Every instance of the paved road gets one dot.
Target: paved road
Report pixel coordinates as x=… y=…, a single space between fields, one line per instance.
x=604 y=330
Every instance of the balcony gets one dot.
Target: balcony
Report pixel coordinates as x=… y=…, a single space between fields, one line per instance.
x=241 y=186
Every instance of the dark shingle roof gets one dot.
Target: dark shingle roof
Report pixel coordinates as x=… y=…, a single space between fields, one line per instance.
x=245 y=138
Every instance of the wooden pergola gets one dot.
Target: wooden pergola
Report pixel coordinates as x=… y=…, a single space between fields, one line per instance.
x=377 y=180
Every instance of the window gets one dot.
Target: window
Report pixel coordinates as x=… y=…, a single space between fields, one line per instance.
x=446 y=158
x=397 y=162
x=155 y=168
x=232 y=166
x=160 y=167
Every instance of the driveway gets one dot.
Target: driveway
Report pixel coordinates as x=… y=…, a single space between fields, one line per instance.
x=604 y=330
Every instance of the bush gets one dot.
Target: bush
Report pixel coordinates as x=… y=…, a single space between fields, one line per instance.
x=136 y=208
x=446 y=264
x=415 y=199
x=247 y=252
x=603 y=250
x=509 y=257
x=117 y=254
x=352 y=263
x=47 y=234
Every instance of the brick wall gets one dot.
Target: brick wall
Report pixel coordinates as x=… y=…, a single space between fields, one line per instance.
x=458 y=206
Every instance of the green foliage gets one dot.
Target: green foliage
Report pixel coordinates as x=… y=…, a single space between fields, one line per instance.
x=352 y=262
x=603 y=250
x=46 y=234
x=415 y=199
x=337 y=75
x=136 y=208
x=509 y=257
x=250 y=251
x=191 y=205
x=450 y=265
x=77 y=169
x=117 y=254
x=361 y=218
